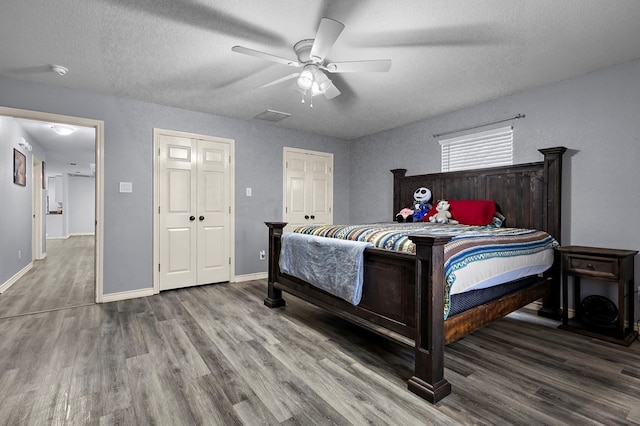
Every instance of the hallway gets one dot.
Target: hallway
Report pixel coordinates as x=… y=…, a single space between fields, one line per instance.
x=64 y=279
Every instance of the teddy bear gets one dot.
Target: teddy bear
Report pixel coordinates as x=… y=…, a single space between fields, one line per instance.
x=419 y=209
x=443 y=214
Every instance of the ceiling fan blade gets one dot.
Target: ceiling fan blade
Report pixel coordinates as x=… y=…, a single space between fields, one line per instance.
x=328 y=32
x=331 y=92
x=280 y=80
x=262 y=55
x=380 y=65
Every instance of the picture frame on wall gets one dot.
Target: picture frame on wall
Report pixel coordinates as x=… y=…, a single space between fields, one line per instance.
x=19 y=168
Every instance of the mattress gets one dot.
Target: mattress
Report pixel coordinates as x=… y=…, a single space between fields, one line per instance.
x=476 y=257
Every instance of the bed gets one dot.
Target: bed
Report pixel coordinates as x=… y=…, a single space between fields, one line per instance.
x=403 y=294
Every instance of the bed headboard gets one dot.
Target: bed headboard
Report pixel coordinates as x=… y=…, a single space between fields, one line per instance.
x=528 y=195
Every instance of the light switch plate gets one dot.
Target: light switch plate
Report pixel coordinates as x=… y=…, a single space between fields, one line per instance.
x=248 y=192
x=126 y=187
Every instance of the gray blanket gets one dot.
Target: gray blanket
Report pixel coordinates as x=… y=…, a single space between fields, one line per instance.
x=334 y=265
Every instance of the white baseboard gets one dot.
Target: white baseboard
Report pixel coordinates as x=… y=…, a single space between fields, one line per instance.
x=74 y=234
x=125 y=295
x=250 y=277
x=11 y=281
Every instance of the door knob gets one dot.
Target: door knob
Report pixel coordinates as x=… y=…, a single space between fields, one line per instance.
x=306 y=216
x=201 y=218
x=313 y=217
x=192 y=218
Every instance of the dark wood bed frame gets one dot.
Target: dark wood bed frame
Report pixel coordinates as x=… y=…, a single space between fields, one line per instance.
x=403 y=294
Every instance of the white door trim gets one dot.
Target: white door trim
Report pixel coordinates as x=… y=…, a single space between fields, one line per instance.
x=99 y=201
x=36 y=207
x=156 y=199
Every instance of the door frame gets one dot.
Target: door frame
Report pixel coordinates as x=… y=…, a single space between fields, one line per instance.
x=36 y=207
x=98 y=125
x=285 y=151
x=156 y=198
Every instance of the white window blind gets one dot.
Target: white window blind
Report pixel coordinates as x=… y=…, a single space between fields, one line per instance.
x=490 y=148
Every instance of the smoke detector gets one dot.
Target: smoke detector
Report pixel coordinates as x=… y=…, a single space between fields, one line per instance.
x=58 y=69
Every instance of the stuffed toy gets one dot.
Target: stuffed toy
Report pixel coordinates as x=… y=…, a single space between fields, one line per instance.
x=419 y=209
x=443 y=215
x=405 y=215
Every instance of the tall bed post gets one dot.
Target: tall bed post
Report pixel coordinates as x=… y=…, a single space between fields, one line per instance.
x=428 y=378
x=274 y=296
x=398 y=174
x=553 y=220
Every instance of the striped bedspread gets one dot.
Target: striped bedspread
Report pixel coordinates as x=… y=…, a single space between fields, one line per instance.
x=476 y=257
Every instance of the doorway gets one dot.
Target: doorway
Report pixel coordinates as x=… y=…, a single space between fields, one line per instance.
x=98 y=127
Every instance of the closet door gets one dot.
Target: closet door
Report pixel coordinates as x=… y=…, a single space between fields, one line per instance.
x=194 y=212
x=213 y=212
x=178 y=221
x=308 y=188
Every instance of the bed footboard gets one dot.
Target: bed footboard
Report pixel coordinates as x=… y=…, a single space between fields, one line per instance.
x=424 y=328
x=428 y=380
x=274 y=296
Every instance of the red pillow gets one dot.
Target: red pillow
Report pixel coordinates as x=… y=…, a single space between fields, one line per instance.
x=468 y=212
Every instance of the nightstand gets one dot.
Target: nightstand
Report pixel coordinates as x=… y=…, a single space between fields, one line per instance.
x=609 y=265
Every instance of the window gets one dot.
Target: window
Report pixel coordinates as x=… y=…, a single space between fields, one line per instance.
x=490 y=148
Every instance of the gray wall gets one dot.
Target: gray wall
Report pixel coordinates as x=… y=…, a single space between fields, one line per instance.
x=596 y=116
x=15 y=218
x=128 y=245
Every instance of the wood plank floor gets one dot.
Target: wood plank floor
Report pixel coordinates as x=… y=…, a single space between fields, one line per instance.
x=65 y=278
x=215 y=355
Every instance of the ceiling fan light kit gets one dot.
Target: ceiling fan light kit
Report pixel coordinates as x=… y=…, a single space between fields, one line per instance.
x=311 y=55
x=305 y=80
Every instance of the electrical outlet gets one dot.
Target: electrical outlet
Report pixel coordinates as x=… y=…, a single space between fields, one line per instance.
x=262 y=255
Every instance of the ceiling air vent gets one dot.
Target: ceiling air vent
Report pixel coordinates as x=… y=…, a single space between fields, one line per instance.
x=273 y=116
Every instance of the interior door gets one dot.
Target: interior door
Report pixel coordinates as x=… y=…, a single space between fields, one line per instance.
x=308 y=188
x=178 y=225
x=213 y=212
x=194 y=211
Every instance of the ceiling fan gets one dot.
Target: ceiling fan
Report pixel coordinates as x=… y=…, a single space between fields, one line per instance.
x=311 y=55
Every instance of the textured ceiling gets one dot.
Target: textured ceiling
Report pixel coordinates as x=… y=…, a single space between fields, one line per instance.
x=446 y=54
